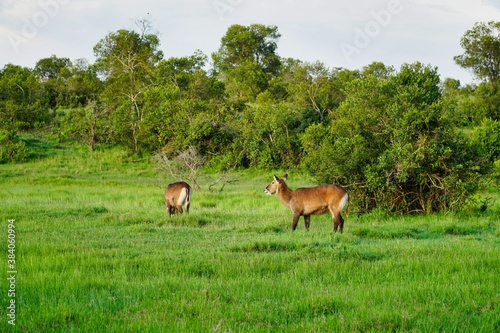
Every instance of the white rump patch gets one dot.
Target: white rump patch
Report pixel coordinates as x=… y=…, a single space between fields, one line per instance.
x=343 y=201
x=182 y=196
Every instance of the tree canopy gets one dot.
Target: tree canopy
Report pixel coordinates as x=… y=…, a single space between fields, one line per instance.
x=246 y=60
x=481 y=46
x=401 y=139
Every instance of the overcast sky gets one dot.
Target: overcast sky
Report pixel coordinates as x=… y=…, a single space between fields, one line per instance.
x=349 y=34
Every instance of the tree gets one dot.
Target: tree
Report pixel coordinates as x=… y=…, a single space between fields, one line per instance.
x=127 y=61
x=53 y=73
x=183 y=108
x=487 y=137
x=84 y=124
x=246 y=60
x=482 y=51
x=51 y=68
x=23 y=103
x=268 y=134
x=67 y=84
x=84 y=86
x=313 y=86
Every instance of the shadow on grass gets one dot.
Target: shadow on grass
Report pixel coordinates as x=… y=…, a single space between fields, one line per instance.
x=432 y=232
x=42 y=149
x=331 y=249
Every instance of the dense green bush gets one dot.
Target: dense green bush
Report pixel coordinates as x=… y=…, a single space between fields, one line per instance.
x=12 y=149
x=487 y=137
x=390 y=141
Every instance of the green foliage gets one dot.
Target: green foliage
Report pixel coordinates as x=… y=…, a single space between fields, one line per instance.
x=211 y=137
x=54 y=73
x=83 y=85
x=183 y=109
x=312 y=86
x=66 y=84
x=246 y=60
x=127 y=59
x=12 y=149
x=269 y=133
x=86 y=125
x=487 y=137
x=482 y=51
x=22 y=102
x=470 y=105
x=398 y=140
x=390 y=140
x=487 y=140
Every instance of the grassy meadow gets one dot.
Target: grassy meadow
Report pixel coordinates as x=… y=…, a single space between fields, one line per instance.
x=97 y=252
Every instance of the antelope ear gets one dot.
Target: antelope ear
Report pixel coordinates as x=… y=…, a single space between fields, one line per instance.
x=285 y=176
x=276 y=179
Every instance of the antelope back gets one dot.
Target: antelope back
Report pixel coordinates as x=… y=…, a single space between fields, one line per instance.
x=178 y=193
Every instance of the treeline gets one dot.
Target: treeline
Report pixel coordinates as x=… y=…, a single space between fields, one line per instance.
x=401 y=139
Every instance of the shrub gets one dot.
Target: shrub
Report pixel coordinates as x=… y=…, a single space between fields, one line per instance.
x=392 y=143
x=12 y=149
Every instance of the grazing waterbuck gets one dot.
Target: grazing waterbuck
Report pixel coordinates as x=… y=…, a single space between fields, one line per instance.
x=177 y=195
x=311 y=201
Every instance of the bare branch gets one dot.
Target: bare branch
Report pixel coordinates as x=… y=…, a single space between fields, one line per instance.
x=186 y=165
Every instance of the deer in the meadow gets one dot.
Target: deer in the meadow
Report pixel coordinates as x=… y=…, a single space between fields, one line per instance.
x=177 y=195
x=309 y=201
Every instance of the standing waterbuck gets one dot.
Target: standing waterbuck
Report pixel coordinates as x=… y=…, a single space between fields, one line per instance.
x=311 y=201
x=177 y=195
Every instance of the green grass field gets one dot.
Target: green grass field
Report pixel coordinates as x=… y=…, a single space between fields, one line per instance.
x=97 y=252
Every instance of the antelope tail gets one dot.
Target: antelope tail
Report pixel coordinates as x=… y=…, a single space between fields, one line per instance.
x=345 y=203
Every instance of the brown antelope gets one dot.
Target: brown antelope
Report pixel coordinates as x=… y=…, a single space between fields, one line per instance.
x=311 y=201
x=177 y=195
